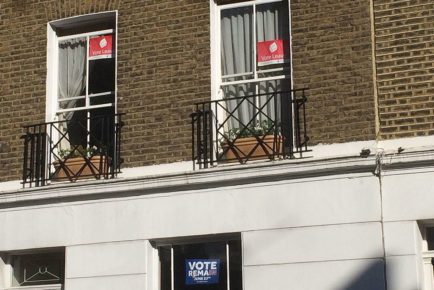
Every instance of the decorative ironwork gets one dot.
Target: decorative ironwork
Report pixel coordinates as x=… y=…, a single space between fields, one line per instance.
x=40 y=269
x=264 y=126
x=72 y=149
x=40 y=277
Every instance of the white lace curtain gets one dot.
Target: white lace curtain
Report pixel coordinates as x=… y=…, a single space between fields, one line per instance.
x=72 y=70
x=72 y=80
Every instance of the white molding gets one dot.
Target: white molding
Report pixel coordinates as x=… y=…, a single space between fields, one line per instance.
x=52 y=73
x=323 y=160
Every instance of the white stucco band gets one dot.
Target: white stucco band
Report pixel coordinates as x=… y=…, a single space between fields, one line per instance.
x=340 y=220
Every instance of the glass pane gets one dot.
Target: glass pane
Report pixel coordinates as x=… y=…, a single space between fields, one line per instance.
x=72 y=71
x=235 y=266
x=238 y=109
x=272 y=21
x=102 y=130
x=430 y=238
x=272 y=34
x=101 y=75
x=72 y=128
x=191 y=262
x=237 y=43
x=38 y=269
x=68 y=104
x=104 y=99
x=165 y=268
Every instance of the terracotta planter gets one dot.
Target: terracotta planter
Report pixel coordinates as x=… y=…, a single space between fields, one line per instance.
x=77 y=168
x=246 y=146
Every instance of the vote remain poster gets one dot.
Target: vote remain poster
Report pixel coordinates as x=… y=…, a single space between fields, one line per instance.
x=202 y=271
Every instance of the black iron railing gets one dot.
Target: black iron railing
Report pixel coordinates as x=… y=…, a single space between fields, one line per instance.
x=72 y=149
x=264 y=126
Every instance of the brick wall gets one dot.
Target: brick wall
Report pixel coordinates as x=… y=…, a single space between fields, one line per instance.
x=405 y=72
x=332 y=56
x=163 y=68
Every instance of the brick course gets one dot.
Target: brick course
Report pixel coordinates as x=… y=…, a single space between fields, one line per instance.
x=405 y=72
x=163 y=68
x=332 y=55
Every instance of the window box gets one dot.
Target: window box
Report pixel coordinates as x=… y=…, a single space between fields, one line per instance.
x=81 y=168
x=253 y=148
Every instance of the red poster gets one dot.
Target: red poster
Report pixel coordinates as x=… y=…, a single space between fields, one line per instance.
x=101 y=46
x=271 y=52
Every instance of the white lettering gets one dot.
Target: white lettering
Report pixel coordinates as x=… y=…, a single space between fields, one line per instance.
x=191 y=265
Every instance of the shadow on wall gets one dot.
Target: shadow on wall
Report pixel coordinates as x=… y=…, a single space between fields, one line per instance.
x=373 y=278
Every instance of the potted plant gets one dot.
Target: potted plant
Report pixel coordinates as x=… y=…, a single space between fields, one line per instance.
x=256 y=141
x=80 y=163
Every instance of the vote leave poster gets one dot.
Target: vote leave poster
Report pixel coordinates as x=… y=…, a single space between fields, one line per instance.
x=202 y=271
x=101 y=46
x=271 y=52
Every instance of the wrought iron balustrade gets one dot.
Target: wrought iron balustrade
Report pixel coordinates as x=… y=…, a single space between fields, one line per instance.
x=72 y=149
x=264 y=126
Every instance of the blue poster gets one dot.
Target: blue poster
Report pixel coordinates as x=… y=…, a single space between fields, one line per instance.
x=202 y=271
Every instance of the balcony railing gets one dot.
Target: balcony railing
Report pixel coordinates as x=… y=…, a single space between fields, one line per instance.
x=72 y=149
x=241 y=129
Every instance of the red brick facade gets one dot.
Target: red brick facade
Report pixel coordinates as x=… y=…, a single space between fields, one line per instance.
x=405 y=73
x=164 y=68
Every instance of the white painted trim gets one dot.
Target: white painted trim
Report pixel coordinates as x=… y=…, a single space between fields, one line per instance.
x=52 y=74
x=116 y=62
x=257 y=80
x=85 y=108
x=215 y=49
x=247 y=3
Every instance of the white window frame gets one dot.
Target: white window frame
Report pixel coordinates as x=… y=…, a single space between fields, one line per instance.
x=87 y=96
x=428 y=258
x=215 y=30
x=53 y=40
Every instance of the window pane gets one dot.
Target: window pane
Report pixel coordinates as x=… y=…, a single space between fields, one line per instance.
x=235 y=267
x=237 y=43
x=165 y=268
x=104 y=99
x=101 y=75
x=73 y=129
x=199 y=253
x=102 y=130
x=72 y=70
x=430 y=238
x=238 y=112
x=38 y=269
x=272 y=34
x=272 y=21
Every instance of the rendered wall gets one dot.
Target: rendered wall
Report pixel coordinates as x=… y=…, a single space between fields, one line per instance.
x=304 y=233
x=408 y=196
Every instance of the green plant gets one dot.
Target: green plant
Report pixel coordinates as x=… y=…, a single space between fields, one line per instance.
x=78 y=151
x=254 y=129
